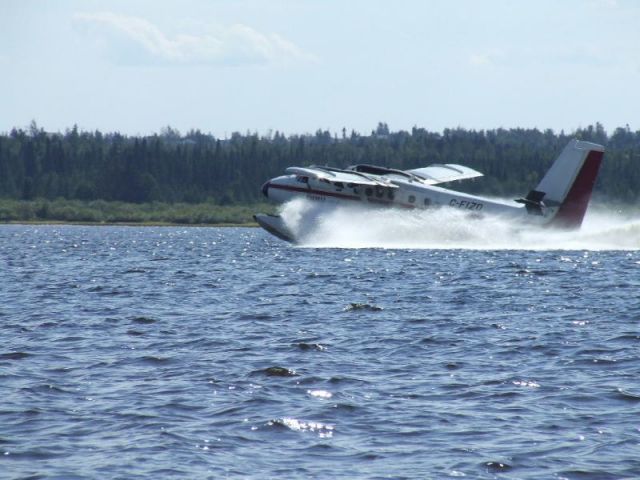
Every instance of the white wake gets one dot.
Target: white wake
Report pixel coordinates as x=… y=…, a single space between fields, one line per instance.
x=357 y=227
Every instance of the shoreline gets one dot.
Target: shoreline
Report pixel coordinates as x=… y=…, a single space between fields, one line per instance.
x=101 y=213
x=126 y=224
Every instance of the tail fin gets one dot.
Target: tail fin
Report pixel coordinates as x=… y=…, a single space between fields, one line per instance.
x=569 y=182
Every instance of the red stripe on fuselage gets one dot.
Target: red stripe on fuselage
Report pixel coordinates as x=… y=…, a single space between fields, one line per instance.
x=289 y=188
x=379 y=201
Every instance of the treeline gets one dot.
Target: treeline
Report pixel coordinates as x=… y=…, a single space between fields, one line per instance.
x=195 y=167
x=101 y=211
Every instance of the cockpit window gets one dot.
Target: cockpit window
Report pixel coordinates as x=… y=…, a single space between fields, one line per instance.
x=302 y=179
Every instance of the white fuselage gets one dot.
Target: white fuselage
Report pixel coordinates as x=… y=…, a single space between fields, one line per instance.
x=399 y=191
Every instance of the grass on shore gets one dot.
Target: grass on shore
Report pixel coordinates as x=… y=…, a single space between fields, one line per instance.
x=103 y=212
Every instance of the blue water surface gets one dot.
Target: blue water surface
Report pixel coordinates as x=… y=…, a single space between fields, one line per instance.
x=161 y=352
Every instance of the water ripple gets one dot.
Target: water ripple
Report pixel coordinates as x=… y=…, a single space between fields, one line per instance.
x=223 y=353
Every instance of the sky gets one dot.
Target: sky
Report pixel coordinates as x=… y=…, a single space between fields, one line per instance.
x=296 y=66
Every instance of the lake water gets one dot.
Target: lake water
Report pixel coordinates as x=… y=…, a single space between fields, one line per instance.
x=225 y=353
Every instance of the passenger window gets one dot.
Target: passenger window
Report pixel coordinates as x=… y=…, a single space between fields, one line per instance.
x=427 y=202
x=412 y=199
x=368 y=191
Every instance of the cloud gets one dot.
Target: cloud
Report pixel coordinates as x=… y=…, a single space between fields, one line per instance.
x=487 y=59
x=135 y=40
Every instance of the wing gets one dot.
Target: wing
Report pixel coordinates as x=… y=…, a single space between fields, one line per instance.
x=441 y=173
x=334 y=175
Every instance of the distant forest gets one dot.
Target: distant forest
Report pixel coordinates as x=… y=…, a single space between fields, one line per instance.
x=196 y=167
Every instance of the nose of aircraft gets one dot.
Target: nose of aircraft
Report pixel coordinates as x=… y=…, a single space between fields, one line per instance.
x=265 y=189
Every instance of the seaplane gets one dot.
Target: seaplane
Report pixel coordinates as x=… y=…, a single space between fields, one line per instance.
x=560 y=200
